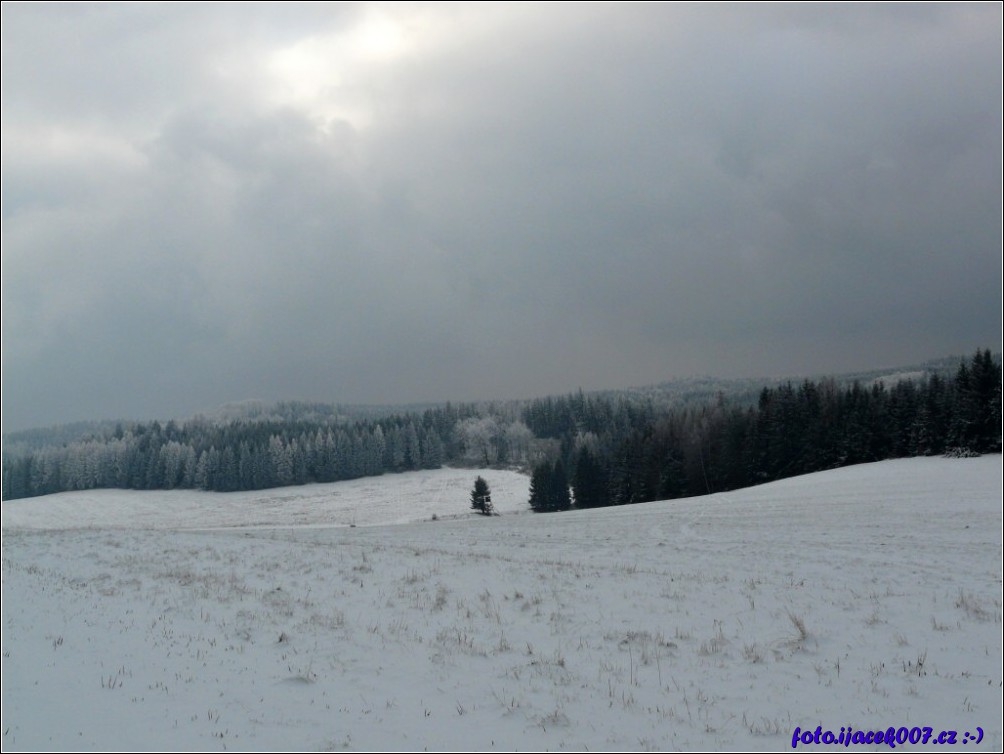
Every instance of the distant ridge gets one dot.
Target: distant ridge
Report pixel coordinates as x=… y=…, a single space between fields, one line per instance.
x=680 y=391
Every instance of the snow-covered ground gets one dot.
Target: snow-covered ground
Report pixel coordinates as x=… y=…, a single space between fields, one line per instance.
x=390 y=499
x=867 y=597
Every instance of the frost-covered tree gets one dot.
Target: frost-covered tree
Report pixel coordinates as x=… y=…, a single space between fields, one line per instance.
x=519 y=439
x=432 y=450
x=478 y=434
x=282 y=461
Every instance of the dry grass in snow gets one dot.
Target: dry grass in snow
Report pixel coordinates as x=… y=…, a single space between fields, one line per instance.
x=868 y=596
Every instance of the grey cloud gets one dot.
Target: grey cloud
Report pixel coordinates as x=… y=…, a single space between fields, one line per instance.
x=587 y=195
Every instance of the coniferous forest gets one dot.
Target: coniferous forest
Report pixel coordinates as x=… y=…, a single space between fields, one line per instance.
x=609 y=449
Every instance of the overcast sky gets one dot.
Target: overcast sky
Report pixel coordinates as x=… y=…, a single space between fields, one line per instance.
x=417 y=202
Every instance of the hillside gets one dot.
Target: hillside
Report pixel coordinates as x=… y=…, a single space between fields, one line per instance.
x=867 y=596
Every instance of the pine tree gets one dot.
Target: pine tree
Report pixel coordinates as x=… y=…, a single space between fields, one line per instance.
x=561 y=498
x=549 y=488
x=589 y=482
x=481 y=498
x=432 y=450
x=540 y=484
x=985 y=383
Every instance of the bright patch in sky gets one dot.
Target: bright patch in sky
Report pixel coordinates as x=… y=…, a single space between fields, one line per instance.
x=380 y=38
x=327 y=76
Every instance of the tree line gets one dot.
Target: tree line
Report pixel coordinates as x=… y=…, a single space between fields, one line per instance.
x=792 y=429
x=251 y=447
x=606 y=448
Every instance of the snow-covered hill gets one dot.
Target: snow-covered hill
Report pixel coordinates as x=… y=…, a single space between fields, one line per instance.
x=371 y=501
x=867 y=597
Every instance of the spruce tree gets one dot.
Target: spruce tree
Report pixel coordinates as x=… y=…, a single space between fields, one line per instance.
x=481 y=498
x=589 y=482
x=985 y=384
x=561 y=498
x=540 y=483
x=549 y=488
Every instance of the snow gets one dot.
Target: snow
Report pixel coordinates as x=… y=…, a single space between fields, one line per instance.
x=868 y=596
x=390 y=499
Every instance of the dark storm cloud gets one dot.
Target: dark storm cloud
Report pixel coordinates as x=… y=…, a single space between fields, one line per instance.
x=396 y=203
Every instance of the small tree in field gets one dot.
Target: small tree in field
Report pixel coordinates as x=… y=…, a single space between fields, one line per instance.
x=481 y=498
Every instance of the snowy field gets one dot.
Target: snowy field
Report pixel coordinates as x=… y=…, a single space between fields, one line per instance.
x=343 y=617
x=389 y=499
